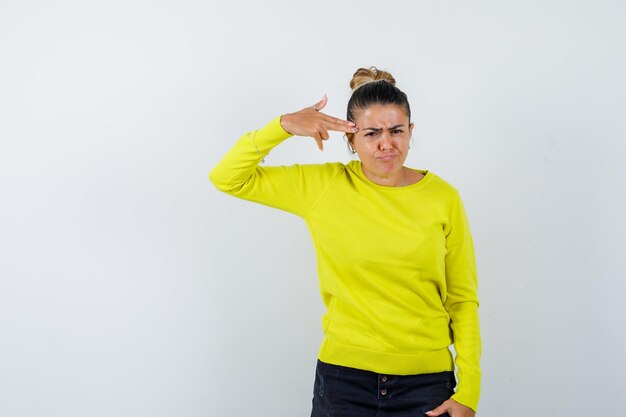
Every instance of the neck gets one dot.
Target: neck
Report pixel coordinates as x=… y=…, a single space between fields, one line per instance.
x=396 y=179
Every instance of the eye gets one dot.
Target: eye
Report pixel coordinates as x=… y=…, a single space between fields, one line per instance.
x=396 y=131
x=371 y=134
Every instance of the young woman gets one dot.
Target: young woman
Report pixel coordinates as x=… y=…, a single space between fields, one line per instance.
x=395 y=257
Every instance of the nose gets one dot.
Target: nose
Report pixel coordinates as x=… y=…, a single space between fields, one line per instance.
x=385 y=143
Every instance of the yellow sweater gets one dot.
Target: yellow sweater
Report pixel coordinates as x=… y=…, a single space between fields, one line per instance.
x=396 y=264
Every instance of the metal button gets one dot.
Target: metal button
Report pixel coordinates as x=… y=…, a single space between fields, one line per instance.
x=383 y=378
x=383 y=391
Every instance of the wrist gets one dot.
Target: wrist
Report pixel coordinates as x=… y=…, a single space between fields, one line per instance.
x=285 y=123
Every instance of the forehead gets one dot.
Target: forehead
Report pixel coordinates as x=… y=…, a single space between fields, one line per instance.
x=381 y=116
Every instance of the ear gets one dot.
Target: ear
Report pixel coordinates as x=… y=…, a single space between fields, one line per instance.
x=411 y=126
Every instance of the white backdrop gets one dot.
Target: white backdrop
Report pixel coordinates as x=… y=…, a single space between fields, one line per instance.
x=129 y=286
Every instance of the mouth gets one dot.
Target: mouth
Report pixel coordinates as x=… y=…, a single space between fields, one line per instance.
x=387 y=157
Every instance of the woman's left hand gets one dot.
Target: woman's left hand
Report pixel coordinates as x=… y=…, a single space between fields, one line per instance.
x=453 y=408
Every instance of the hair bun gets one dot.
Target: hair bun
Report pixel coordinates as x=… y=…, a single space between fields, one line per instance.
x=363 y=76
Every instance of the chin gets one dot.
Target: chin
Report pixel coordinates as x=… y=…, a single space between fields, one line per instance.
x=389 y=165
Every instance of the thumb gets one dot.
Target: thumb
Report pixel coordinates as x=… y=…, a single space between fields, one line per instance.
x=321 y=104
x=437 y=411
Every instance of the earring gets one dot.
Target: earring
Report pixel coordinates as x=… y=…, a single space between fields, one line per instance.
x=350 y=148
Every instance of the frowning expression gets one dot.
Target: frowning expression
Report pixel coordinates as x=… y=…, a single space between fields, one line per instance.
x=382 y=141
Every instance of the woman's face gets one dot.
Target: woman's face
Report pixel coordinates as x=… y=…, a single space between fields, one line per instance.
x=382 y=141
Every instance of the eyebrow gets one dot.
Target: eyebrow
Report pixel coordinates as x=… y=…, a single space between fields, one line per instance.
x=380 y=128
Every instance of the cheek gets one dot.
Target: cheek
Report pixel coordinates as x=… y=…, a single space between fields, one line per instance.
x=368 y=149
x=403 y=143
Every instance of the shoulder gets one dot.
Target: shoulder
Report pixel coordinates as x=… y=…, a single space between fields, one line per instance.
x=442 y=190
x=433 y=181
x=441 y=184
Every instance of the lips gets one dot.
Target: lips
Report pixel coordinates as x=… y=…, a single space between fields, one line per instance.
x=387 y=157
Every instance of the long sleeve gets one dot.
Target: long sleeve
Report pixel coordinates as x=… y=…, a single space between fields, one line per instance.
x=292 y=188
x=462 y=305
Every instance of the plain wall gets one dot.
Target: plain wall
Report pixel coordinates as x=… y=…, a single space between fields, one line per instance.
x=129 y=286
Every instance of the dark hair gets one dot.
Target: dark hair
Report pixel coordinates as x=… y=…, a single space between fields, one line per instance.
x=373 y=86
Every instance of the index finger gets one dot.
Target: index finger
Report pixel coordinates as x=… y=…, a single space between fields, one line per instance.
x=339 y=125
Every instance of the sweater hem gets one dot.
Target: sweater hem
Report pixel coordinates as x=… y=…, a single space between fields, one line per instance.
x=424 y=362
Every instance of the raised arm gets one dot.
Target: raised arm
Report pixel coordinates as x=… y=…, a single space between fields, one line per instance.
x=291 y=188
